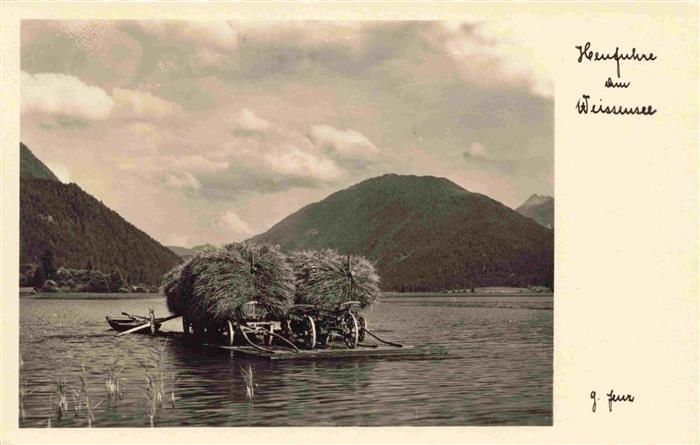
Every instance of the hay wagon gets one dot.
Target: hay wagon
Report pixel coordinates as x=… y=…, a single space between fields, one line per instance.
x=333 y=291
x=238 y=292
x=256 y=295
x=328 y=324
x=305 y=326
x=254 y=326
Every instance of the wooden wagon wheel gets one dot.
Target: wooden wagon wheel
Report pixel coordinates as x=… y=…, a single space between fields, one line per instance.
x=309 y=333
x=322 y=338
x=230 y=332
x=362 y=324
x=352 y=331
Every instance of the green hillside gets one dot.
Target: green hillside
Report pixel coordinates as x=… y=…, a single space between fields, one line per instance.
x=80 y=230
x=31 y=167
x=424 y=233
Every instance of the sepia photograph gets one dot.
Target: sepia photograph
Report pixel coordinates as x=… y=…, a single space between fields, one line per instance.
x=285 y=223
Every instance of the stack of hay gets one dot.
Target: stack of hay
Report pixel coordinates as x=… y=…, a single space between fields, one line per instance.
x=211 y=287
x=327 y=279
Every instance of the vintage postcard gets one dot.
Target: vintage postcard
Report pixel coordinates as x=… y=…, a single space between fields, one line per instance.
x=350 y=222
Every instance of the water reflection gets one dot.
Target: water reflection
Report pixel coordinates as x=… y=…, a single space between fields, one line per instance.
x=499 y=371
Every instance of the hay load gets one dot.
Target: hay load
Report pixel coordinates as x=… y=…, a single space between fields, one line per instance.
x=210 y=287
x=174 y=290
x=273 y=277
x=326 y=279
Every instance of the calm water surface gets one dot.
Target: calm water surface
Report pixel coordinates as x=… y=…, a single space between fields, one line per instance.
x=498 y=370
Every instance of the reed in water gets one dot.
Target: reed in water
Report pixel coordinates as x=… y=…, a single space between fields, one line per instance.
x=82 y=397
x=60 y=397
x=154 y=373
x=250 y=385
x=113 y=381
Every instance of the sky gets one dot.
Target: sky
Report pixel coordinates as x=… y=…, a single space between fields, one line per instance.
x=213 y=131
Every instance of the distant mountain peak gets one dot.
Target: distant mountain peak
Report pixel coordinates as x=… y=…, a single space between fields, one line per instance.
x=536 y=200
x=540 y=208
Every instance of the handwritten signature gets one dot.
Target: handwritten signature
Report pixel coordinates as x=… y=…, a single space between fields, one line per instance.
x=612 y=398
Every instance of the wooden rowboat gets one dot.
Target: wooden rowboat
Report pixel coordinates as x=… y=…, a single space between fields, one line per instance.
x=124 y=324
x=137 y=323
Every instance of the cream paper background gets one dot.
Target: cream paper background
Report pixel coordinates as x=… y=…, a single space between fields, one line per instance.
x=626 y=302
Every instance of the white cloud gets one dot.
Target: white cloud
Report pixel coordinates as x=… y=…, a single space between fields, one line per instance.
x=60 y=94
x=344 y=144
x=177 y=171
x=232 y=221
x=277 y=162
x=291 y=161
x=271 y=156
x=183 y=180
x=504 y=52
x=143 y=104
x=249 y=121
x=216 y=33
x=476 y=150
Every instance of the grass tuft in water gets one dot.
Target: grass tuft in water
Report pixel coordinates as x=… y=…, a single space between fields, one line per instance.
x=173 y=385
x=59 y=398
x=23 y=393
x=82 y=398
x=154 y=391
x=250 y=385
x=113 y=383
x=153 y=397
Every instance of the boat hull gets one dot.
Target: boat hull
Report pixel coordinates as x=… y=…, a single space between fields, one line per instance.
x=124 y=324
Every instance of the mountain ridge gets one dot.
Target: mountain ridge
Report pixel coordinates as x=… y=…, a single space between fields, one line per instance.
x=78 y=230
x=186 y=252
x=424 y=233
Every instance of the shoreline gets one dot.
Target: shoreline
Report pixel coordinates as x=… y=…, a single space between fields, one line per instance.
x=88 y=296
x=466 y=294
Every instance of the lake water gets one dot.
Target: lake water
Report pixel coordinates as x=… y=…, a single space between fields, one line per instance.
x=498 y=370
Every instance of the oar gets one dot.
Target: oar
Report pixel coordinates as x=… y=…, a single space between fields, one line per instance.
x=398 y=345
x=144 y=326
x=133 y=317
x=137 y=328
x=168 y=318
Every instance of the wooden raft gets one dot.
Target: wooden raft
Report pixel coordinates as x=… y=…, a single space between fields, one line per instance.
x=405 y=352
x=338 y=352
